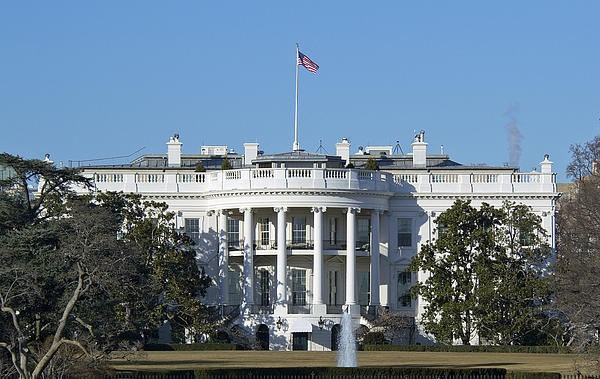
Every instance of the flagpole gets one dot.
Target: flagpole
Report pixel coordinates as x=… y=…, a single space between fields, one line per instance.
x=296 y=145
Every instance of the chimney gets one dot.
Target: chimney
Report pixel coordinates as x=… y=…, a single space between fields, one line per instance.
x=419 y=153
x=546 y=165
x=342 y=149
x=250 y=153
x=174 y=151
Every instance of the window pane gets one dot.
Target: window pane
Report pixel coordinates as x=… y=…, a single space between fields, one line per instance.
x=403 y=286
x=404 y=232
x=363 y=230
x=192 y=228
x=233 y=233
x=298 y=230
x=298 y=287
x=263 y=231
x=235 y=289
x=333 y=230
x=264 y=279
x=363 y=287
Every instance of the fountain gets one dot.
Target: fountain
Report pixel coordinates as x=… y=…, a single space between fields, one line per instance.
x=346 y=342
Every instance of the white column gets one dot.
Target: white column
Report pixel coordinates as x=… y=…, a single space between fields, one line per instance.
x=375 y=257
x=248 y=258
x=351 y=256
x=318 y=256
x=281 y=256
x=223 y=257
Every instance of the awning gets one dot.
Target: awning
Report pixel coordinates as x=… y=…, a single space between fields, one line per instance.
x=301 y=326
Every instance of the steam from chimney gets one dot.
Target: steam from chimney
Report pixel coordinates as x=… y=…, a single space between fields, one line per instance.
x=514 y=135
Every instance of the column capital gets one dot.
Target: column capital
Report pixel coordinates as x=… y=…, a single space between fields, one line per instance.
x=244 y=210
x=210 y=212
x=318 y=209
x=280 y=209
x=352 y=210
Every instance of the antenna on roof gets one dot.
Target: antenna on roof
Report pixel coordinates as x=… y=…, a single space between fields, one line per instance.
x=321 y=149
x=396 y=148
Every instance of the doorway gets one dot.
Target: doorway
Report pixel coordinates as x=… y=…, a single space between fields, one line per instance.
x=262 y=337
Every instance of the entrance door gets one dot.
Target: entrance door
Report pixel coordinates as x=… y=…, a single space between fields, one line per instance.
x=262 y=337
x=299 y=341
x=333 y=283
x=335 y=336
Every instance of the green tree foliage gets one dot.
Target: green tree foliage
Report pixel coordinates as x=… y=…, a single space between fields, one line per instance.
x=200 y=167
x=371 y=164
x=485 y=274
x=81 y=277
x=226 y=165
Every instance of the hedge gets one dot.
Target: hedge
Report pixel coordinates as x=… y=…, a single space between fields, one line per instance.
x=470 y=348
x=279 y=372
x=191 y=346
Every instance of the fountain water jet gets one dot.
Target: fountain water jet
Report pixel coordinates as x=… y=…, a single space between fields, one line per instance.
x=346 y=342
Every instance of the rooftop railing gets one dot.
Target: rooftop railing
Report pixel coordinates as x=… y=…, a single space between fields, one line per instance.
x=320 y=178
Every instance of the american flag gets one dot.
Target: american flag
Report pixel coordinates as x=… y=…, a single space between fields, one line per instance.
x=305 y=61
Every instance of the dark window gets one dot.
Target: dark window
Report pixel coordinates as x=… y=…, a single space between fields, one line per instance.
x=262 y=337
x=300 y=341
x=404 y=284
x=299 y=230
x=192 y=229
x=233 y=233
x=404 y=232
x=263 y=289
x=298 y=287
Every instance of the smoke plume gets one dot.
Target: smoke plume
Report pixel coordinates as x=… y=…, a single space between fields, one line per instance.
x=514 y=135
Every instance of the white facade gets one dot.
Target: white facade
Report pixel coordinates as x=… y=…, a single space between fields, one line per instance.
x=292 y=238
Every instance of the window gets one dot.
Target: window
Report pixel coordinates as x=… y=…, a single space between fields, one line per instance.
x=299 y=230
x=235 y=289
x=404 y=232
x=363 y=287
x=526 y=236
x=233 y=233
x=263 y=288
x=333 y=231
x=263 y=231
x=363 y=231
x=192 y=229
x=298 y=287
x=404 y=284
x=441 y=229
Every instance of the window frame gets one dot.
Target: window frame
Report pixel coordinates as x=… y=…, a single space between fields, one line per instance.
x=402 y=234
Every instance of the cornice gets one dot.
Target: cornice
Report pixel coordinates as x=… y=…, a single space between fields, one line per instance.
x=476 y=196
x=297 y=192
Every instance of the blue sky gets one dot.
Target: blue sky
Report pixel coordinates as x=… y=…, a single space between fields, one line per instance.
x=83 y=80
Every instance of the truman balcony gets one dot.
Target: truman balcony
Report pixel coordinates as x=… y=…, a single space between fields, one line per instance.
x=181 y=181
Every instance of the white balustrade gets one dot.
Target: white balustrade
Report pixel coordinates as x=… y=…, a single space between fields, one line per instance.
x=261 y=178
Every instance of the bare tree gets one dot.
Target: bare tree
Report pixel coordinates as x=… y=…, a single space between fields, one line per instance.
x=578 y=250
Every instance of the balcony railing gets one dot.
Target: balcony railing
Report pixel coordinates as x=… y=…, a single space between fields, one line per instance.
x=281 y=178
x=235 y=245
x=300 y=244
x=300 y=309
x=261 y=309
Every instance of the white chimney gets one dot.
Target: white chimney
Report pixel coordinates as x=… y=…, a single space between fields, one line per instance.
x=250 y=152
x=342 y=149
x=174 y=151
x=546 y=165
x=419 y=153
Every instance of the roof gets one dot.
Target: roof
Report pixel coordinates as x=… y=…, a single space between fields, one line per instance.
x=297 y=156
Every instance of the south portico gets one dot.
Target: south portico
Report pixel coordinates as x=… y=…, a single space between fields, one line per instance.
x=325 y=251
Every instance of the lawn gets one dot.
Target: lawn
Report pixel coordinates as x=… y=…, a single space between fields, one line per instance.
x=185 y=360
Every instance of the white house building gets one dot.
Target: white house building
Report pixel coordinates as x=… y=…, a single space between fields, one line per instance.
x=292 y=239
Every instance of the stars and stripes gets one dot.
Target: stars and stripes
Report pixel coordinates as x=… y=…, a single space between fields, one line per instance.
x=305 y=61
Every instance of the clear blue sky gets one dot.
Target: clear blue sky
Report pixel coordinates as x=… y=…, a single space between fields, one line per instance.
x=83 y=79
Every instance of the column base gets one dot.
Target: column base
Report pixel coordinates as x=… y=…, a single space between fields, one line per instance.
x=353 y=309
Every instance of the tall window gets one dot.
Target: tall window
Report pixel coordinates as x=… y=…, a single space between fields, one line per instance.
x=192 y=229
x=333 y=231
x=404 y=232
x=233 y=233
x=299 y=230
x=235 y=289
x=263 y=288
x=526 y=236
x=263 y=231
x=298 y=287
x=404 y=284
x=364 y=285
x=362 y=235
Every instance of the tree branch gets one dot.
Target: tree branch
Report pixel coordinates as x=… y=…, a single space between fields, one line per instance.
x=13 y=358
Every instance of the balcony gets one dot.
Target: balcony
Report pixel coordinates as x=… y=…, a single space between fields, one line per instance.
x=261 y=309
x=300 y=244
x=183 y=181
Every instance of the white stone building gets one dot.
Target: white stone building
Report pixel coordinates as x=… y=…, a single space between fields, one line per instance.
x=292 y=239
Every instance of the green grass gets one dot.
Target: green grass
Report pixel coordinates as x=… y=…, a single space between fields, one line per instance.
x=187 y=360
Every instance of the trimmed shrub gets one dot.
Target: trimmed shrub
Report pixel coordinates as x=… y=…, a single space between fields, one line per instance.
x=226 y=165
x=373 y=338
x=279 y=372
x=191 y=346
x=371 y=164
x=200 y=167
x=471 y=348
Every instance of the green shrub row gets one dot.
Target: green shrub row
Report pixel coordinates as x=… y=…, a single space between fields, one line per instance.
x=470 y=348
x=191 y=346
x=351 y=372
